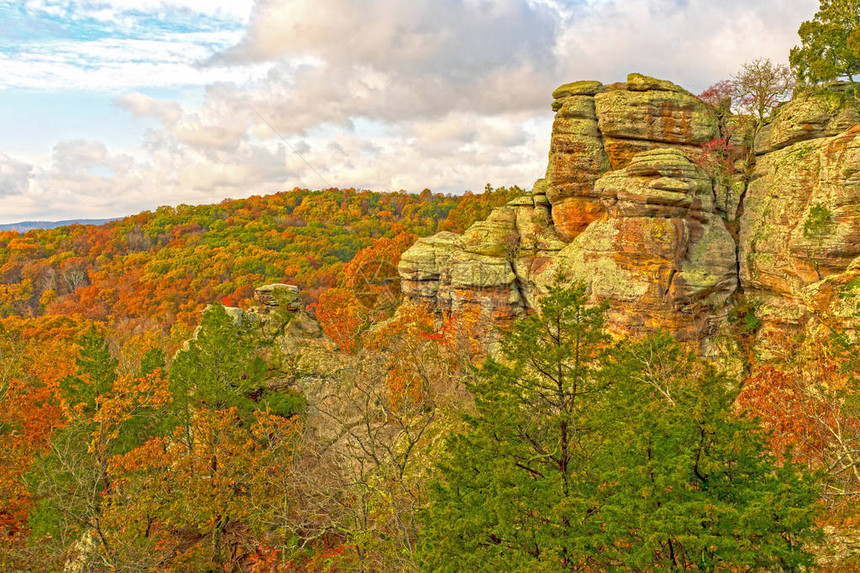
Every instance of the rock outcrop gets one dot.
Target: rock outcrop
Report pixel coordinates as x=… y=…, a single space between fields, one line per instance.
x=800 y=228
x=600 y=128
x=626 y=209
x=303 y=353
x=660 y=257
x=622 y=207
x=274 y=296
x=645 y=113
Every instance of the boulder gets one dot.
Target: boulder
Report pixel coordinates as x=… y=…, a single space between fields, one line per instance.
x=272 y=296
x=600 y=128
x=495 y=237
x=625 y=208
x=425 y=265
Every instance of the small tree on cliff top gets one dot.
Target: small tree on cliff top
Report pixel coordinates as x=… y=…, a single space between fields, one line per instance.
x=757 y=88
x=830 y=44
x=760 y=86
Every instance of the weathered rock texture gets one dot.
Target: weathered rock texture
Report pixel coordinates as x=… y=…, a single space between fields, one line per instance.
x=800 y=228
x=660 y=257
x=625 y=208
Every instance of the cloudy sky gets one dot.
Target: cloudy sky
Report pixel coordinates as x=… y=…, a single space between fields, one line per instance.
x=109 y=107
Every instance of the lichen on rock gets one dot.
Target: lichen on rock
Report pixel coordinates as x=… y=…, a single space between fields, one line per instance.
x=625 y=208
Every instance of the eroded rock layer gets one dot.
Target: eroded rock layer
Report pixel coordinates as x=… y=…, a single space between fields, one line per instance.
x=660 y=257
x=626 y=209
x=800 y=229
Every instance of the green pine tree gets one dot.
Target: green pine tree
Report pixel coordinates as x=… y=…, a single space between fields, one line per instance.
x=690 y=482
x=220 y=367
x=585 y=456
x=95 y=375
x=514 y=492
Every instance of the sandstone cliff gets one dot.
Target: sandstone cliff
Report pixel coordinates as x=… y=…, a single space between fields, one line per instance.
x=626 y=208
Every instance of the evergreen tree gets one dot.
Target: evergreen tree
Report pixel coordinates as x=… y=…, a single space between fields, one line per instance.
x=220 y=367
x=71 y=484
x=578 y=461
x=691 y=484
x=95 y=375
x=514 y=491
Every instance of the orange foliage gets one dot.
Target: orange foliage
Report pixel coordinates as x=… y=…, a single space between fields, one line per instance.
x=150 y=274
x=341 y=317
x=806 y=396
x=168 y=264
x=401 y=342
x=159 y=267
x=33 y=359
x=368 y=293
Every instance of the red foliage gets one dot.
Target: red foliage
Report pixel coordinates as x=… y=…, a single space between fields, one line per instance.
x=720 y=157
x=718 y=93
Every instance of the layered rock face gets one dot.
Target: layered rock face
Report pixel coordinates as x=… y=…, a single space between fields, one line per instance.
x=800 y=228
x=474 y=273
x=660 y=256
x=600 y=128
x=625 y=209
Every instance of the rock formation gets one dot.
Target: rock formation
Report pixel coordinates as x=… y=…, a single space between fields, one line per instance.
x=273 y=296
x=800 y=228
x=659 y=256
x=626 y=208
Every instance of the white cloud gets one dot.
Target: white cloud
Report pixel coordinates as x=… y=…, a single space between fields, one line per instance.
x=114 y=64
x=14 y=175
x=692 y=42
x=395 y=60
x=166 y=111
x=381 y=94
x=113 y=9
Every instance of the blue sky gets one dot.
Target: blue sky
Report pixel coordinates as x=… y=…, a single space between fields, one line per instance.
x=109 y=107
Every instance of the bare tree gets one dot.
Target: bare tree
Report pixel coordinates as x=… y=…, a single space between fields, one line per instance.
x=74 y=274
x=372 y=428
x=760 y=86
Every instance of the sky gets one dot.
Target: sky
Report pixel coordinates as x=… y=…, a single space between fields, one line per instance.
x=111 y=107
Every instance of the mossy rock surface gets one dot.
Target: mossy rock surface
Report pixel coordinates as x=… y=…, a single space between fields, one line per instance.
x=656 y=116
x=822 y=113
x=641 y=83
x=583 y=88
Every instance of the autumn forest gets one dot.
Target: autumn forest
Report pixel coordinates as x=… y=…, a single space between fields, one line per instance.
x=647 y=361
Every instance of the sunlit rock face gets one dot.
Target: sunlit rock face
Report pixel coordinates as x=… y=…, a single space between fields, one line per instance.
x=800 y=228
x=577 y=159
x=625 y=208
x=660 y=257
x=646 y=113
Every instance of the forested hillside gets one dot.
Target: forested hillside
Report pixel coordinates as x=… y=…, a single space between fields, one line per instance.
x=158 y=268
x=91 y=317
x=649 y=361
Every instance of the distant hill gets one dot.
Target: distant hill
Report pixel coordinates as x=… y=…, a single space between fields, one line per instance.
x=25 y=226
x=157 y=268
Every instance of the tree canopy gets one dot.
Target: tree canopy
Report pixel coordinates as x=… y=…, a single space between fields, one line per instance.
x=577 y=461
x=830 y=43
